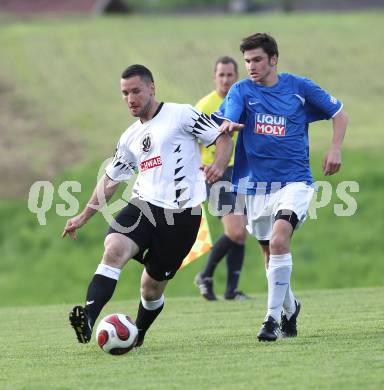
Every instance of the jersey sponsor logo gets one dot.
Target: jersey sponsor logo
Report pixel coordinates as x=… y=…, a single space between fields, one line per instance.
x=270 y=125
x=146 y=143
x=333 y=100
x=151 y=163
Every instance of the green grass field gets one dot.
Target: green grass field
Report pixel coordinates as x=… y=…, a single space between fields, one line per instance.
x=61 y=115
x=203 y=345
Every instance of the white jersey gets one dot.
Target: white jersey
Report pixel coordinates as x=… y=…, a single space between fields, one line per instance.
x=165 y=153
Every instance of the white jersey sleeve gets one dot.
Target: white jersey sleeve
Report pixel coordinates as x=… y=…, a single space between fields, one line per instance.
x=124 y=163
x=199 y=124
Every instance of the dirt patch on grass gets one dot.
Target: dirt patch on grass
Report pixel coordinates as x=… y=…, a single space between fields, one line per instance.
x=30 y=150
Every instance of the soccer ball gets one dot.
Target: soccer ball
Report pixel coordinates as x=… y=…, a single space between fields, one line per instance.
x=116 y=334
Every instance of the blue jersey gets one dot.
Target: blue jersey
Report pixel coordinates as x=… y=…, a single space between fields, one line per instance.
x=273 y=146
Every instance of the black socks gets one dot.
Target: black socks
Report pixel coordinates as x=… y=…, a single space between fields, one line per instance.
x=235 y=260
x=219 y=250
x=145 y=319
x=99 y=292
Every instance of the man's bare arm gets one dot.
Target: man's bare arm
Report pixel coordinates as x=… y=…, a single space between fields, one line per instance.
x=224 y=146
x=103 y=191
x=332 y=160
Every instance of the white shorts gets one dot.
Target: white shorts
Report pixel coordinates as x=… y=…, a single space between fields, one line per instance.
x=262 y=208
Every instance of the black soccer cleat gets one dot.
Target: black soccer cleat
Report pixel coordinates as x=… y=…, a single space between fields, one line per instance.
x=289 y=327
x=79 y=321
x=205 y=286
x=269 y=331
x=236 y=296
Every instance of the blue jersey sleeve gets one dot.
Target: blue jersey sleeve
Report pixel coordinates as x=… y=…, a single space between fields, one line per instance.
x=319 y=103
x=233 y=105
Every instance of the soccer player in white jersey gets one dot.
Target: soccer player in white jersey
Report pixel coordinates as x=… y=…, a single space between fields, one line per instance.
x=272 y=112
x=160 y=223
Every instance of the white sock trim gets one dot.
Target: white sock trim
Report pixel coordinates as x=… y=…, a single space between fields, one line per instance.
x=280 y=260
x=108 y=271
x=152 y=305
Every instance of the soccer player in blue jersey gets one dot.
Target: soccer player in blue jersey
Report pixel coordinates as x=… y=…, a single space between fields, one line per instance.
x=272 y=112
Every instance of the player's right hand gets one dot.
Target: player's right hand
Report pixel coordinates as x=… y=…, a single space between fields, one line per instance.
x=72 y=225
x=229 y=127
x=332 y=162
x=213 y=173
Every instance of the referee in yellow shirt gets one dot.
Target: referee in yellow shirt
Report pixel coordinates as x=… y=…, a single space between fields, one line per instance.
x=231 y=243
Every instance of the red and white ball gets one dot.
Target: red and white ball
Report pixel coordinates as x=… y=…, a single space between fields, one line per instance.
x=116 y=334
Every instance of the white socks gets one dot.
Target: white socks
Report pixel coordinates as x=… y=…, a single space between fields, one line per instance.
x=152 y=305
x=108 y=271
x=279 y=292
x=289 y=306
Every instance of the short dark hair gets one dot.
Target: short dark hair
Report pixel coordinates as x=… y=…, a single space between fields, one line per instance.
x=138 y=70
x=226 y=60
x=263 y=40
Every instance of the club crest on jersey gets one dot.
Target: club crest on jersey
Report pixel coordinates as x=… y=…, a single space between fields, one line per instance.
x=146 y=143
x=268 y=124
x=151 y=163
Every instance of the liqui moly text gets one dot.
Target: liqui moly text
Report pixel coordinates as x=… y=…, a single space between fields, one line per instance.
x=270 y=125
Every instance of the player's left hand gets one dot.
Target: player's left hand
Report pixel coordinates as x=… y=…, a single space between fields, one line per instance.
x=212 y=173
x=230 y=127
x=332 y=162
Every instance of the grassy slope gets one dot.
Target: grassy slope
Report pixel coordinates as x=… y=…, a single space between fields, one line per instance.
x=70 y=67
x=66 y=73
x=200 y=345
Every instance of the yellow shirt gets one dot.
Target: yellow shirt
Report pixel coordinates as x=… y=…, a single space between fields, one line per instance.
x=209 y=104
